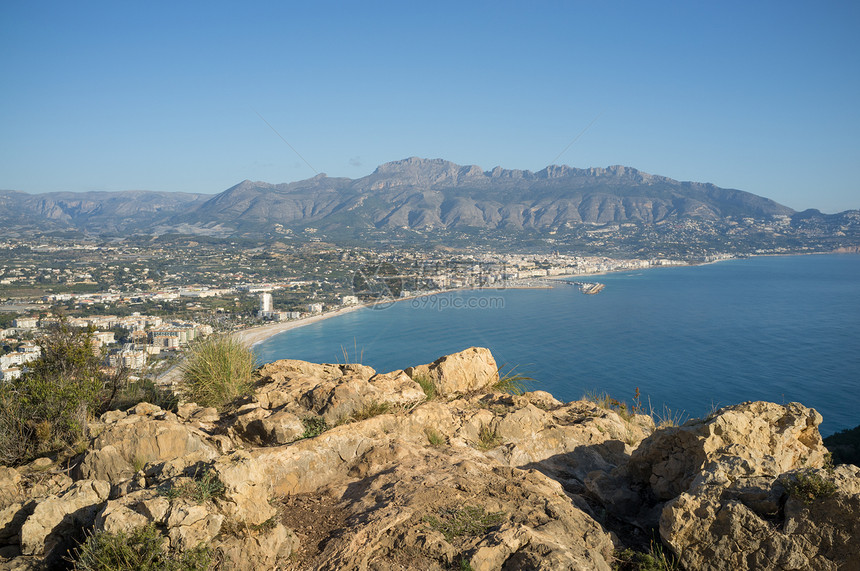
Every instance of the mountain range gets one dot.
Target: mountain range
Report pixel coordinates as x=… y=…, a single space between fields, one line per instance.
x=414 y=193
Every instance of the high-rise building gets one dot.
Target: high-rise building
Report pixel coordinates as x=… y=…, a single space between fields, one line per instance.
x=265 y=303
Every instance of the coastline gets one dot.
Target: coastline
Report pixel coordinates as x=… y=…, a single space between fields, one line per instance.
x=255 y=335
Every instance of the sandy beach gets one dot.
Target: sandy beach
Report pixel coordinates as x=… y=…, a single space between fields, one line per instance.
x=254 y=335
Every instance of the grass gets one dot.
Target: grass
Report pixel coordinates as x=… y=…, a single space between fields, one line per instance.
x=434 y=437
x=200 y=489
x=655 y=560
x=314 y=426
x=668 y=418
x=808 y=486
x=218 y=370
x=357 y=357
x=468 y=521
x=488 y=438
x=604 y=401
x=143 y=549
x=512 y=382
x=370 y=410
x=426 y=385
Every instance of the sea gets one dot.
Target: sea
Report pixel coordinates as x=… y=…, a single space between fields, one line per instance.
x=690 y=339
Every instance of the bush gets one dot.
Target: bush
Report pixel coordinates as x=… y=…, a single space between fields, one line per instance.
x=314 y=426
x=200 y=489
x=808 y=486
x=145 y=390
x=141 y=550
x=218 y=370
x=845 y=446
x=49 y=406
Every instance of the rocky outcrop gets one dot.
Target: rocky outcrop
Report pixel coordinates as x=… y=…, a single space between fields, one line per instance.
x=341 y=467
x=756 y=523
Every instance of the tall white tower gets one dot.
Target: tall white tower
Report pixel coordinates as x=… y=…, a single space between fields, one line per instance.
x=265 y=303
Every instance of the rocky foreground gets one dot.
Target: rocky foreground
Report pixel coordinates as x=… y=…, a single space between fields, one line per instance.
x=338 y=467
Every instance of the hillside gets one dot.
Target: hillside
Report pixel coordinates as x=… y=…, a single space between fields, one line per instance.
x=423 y=194
x=436 y=468
x=436 y=203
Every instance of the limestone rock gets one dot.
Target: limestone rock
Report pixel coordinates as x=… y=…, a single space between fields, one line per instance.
x=105 y=464
x=251 y=550
x=742 y=524
x=115 y=518
x=57 y=519
x=10 y=486
x=460 y=373
x=508 y=518
x=192 y=525
x=151 y=436
x=756 y=438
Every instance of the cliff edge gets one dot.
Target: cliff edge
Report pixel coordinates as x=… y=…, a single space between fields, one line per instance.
x=436 y=467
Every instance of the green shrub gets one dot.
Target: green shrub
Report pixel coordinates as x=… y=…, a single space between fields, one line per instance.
x=140 y=550
x=202 y=488
x=808 y=486
x=145 y=390
x=655 y=560
x=314 y=426
x=217 y=371
x=427 y=386
x=488 y=438
x=845 y=446
x=49 y=406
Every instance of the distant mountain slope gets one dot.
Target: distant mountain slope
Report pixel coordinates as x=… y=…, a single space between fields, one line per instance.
x=96 y=212
x=421 y=193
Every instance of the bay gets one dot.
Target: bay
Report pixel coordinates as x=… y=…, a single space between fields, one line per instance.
x=691 y=339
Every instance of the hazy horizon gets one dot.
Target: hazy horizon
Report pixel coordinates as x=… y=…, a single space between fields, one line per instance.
x=197 y=97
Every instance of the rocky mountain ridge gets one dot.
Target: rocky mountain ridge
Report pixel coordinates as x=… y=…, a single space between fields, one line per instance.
x=339 y=467
x=413 y=193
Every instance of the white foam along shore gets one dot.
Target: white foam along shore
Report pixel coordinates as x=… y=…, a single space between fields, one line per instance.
x=256 y=335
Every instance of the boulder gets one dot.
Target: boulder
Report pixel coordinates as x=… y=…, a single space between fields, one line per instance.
x=56 y=520
x=137 y=439
x=461 y=373
x=10 y=486
x=191 y=525
x=758 y=523
x=755 y=438
x=106 y=464
x=252 y=550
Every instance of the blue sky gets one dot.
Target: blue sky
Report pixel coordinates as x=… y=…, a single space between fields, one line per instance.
x=760 y=96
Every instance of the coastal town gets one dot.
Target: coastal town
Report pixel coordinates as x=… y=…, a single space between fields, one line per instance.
x=145 y=306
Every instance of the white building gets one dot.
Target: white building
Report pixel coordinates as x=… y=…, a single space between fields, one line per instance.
x=265 y=304
x=25 y=323
x=315 y=308
x=9 y=374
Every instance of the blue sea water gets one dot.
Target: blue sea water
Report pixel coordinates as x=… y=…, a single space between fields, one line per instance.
x=781 y=329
